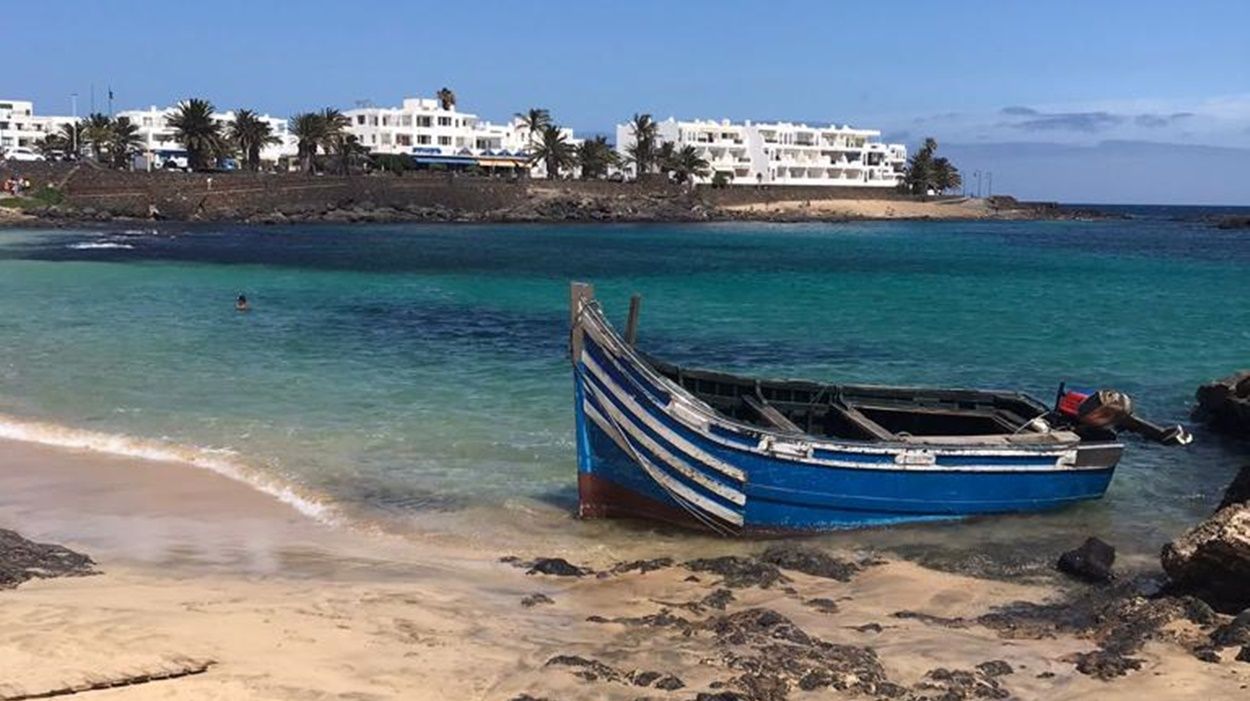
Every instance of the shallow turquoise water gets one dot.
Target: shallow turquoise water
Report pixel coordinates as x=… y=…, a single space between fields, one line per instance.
x=417 y=374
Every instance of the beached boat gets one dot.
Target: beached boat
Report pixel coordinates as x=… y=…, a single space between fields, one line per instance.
x=739 y=455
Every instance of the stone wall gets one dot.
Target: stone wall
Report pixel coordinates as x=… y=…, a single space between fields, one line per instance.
x=239 y=195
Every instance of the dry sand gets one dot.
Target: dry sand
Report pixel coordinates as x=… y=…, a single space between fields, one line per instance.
x=198 y=568
x=966 y=208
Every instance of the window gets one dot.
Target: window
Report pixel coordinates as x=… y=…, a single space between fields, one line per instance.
x=444 y=121
x=360 y=119
x=423 y=139
x=403 y=140
x=444 y=141
x=423 y=121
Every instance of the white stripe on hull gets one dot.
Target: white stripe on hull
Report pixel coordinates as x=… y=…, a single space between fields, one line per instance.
x=638 y=435
x=673 y=486
x=681 y=443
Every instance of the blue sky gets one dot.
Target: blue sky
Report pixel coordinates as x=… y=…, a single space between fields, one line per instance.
x=1073 y=74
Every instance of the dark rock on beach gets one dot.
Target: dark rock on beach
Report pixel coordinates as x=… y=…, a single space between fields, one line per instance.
x=1104 y=664
x=535 y=599
x=1235 y=632
x=738 y=572
x=22 y=560
x=995 y=668
x=809 y=561
x=1117 y=618
x=642 y=566
x=957 y=684
x=558 y=567
x=822 y=605
x=1212 y=559
x=1090 y=563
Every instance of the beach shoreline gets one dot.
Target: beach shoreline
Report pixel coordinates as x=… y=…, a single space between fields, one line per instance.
x=199 y=569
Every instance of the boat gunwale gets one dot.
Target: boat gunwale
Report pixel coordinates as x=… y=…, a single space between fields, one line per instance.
x=592 y=311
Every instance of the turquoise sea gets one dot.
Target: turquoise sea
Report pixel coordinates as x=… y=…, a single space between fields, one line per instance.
x=415 y=377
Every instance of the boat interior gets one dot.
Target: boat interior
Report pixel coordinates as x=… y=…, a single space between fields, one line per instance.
x=868 y=413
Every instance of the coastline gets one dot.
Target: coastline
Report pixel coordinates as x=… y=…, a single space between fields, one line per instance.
x=86 y=196
x=198 y=568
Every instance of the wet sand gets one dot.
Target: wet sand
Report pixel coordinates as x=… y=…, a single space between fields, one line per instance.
x=198 y=569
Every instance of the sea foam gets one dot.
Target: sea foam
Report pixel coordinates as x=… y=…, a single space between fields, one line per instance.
x=89 y=245
x=223 y=461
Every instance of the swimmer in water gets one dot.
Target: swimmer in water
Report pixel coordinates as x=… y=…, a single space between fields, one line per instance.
x=241 y=304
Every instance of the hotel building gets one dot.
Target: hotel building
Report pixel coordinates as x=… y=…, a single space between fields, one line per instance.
x=783 y=153
x=438 y=135
x=21 y=127
x=158 y=136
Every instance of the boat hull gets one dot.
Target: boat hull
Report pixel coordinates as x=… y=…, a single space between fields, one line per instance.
x=643 y=453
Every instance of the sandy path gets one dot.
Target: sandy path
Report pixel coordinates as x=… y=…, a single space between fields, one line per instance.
x=198 y=567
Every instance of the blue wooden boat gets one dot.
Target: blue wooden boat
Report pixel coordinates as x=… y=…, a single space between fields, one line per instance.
x=737 y=455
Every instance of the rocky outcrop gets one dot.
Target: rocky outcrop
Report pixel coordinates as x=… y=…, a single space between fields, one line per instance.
x=1225 y=404
x=1234 y=222
x=1212 y=559
x=22 y=560
x=1091 y=562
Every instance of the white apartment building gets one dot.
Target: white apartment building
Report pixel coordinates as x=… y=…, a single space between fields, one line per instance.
x=436 y=135
x=783 y=153
x=20 y=126
x=157 y=135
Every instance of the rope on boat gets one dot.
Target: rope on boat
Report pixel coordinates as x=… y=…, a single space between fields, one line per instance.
x=709 y=522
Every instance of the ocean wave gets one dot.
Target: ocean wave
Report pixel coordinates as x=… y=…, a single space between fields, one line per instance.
x=223 y=461
x=89 y=245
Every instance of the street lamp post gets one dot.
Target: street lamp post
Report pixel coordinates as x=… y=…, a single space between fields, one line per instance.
x=977 y=174
x=73 y=97
x=989 y=174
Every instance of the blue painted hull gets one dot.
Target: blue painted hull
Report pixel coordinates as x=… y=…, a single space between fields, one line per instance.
x=647 y=449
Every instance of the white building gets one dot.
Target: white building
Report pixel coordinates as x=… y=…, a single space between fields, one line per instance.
x=436 y=135
x=782 y=153
x=20 y=126
x=157 y=135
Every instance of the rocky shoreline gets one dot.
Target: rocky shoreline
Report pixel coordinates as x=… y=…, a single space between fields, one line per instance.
x=582 y=210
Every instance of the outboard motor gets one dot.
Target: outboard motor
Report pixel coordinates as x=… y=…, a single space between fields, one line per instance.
x=1113 y=410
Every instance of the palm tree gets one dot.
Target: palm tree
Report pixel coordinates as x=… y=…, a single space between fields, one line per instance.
x=197 y=131
x=921 y=171
x=124 y=142
x=446 y=98
x=595 y=156
x=642 y=151
x=666 y=158
x=333 y=124
x=72 y=134
x=309 y=129
x=97 y=131
x=554 y=150
x=251 y=134
x=946 y=176
x=534 y=121
x=347 y=150
x=688 y=165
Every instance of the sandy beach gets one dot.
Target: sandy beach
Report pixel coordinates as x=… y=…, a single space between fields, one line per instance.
x=965 y=208
x=198 y=572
